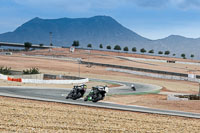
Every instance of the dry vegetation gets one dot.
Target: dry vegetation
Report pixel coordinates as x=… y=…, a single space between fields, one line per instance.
x=33 y=116
x=19 y=115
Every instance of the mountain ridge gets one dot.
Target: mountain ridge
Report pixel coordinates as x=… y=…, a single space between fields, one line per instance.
x=95 y=30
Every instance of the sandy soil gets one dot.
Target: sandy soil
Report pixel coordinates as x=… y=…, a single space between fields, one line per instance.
x=110 y=58
x=18 y=62
x=19 y=115
x=22 y=115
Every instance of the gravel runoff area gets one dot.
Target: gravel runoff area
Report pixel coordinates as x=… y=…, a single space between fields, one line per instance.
x=18 y=115
x=32 y=114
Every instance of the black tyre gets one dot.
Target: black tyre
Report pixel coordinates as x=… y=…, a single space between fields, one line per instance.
x=133 y=88
x=86 y=98
x=99 y=97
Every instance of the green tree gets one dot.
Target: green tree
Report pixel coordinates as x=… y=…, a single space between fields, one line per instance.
x=41 y=45
x=108 y=47
x=167 y=52
x=100 y=46
x=183 y=56
x=117 y=47
x=174 y=54
x=143 y=50
x=160 y=52
x=151 y=51
x=75 y=43
x=89 y=45
x=27 y=45
x=134 y=49
x=126 y=49
x=192 y=56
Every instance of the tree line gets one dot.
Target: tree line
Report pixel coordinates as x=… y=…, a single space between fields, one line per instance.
x=76 y=43
x=134 y=49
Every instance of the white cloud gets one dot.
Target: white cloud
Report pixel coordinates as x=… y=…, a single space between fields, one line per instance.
x=186 y=4
x=85 y=5
x=71 y=5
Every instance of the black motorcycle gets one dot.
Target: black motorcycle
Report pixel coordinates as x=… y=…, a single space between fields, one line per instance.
x=77 y=92
x=97 y=93
x=133 y=87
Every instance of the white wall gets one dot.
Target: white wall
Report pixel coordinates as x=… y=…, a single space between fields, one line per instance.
x=35 y=81
x=4 y=77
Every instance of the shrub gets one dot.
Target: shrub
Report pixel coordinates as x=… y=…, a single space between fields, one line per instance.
x=31 y=71
x=6 y=70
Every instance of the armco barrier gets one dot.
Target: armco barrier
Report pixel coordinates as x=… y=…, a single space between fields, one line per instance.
x=137 y=69
x=162 y=76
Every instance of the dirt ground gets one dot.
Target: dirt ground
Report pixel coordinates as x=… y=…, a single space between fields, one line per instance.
x=18 y=115
x=51 y=66
x=119 y=119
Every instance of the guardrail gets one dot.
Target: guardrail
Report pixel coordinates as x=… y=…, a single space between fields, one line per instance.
x=137 y=69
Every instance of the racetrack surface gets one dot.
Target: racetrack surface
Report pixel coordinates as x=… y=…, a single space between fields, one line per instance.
x=58 y=95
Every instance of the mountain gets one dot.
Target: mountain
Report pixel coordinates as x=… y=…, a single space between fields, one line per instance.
x=179 y=44
x=95 y=30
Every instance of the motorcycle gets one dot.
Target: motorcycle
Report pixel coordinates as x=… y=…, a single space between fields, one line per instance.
x=97 y=93
x=133 y=87
x=77 y=92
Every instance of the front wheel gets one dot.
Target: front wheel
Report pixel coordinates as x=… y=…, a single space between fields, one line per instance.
x=133 y=88
x=99 y=97
x=86 y=98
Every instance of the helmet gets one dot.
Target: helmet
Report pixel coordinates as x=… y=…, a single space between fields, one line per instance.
x=83 y=86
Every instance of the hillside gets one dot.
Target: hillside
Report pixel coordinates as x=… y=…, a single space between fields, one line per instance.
x=96 y=30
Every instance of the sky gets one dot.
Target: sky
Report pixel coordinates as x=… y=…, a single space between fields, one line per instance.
x=153 y=19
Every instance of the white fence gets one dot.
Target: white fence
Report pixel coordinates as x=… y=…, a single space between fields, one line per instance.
x=4 y=77
x=35 y=81
x=40 y=81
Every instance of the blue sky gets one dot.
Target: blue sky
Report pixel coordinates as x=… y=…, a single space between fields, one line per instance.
x=153 y=19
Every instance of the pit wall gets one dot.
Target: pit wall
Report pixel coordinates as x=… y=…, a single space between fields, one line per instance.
x=41 y=81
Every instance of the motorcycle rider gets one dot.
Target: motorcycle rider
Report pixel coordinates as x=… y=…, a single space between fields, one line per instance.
x=77 y=92
x=133 y=87
x=97 y=93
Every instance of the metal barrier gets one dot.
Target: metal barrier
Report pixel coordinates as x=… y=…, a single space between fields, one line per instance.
x=139 y=69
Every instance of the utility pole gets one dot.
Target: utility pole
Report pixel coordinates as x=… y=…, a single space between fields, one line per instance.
x=89 y=53
x=50 y=38
x=79 y=67
x=199 y=89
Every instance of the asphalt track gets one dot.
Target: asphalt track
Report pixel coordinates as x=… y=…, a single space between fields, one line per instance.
x=58 y=95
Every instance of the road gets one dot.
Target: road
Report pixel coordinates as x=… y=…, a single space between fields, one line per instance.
x=58 y=95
